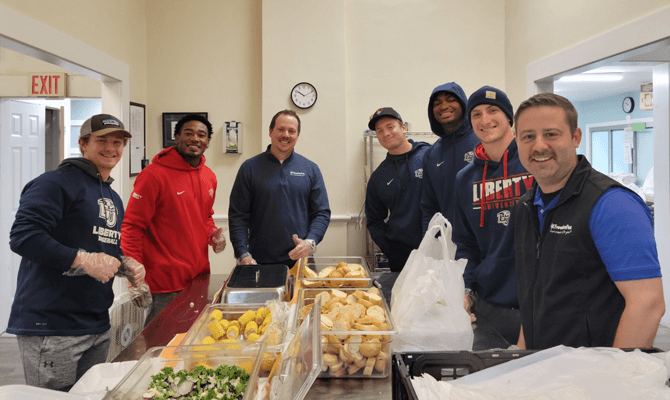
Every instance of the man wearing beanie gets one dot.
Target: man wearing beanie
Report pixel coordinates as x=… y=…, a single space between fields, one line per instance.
x=486 y=192
x=449 y=154
x=394 y=191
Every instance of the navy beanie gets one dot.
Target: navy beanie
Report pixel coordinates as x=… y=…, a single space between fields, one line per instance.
x=493 y=96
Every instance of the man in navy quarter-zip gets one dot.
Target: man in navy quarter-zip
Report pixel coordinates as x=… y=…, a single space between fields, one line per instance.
x=586 y=258
x=487 y=190
x=449 y=154
x=279 y=208
x=393 y=196
x=69 y=219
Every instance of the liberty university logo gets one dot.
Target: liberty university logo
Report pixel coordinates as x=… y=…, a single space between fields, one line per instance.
x=108 y=212
x=503 y=217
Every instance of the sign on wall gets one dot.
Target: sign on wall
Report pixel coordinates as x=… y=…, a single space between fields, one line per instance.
x=47 y=85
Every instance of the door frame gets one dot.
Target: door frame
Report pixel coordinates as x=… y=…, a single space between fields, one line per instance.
x=646 y=34
x=33 y=38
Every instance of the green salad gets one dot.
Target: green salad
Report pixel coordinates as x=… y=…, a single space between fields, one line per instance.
x=223 y=383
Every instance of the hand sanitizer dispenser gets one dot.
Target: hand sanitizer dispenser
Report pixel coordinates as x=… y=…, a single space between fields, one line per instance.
x=233 y=139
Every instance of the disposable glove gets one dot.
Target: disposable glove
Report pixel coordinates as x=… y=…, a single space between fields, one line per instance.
x=303 y=248
x=217 y=240
x=133 y=270
x=96 y=265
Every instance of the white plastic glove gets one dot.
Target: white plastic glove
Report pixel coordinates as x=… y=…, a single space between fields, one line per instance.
x=141 y=296
x=217 y=240
x=133 y=270
x=96 y=265
x=302 y=248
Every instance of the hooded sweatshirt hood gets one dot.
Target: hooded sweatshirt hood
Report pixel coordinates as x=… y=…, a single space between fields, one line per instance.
x=170 y=157
x=435 y=125
x=85 y=165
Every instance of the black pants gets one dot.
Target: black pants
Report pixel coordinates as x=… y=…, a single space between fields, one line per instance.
x=506 y=321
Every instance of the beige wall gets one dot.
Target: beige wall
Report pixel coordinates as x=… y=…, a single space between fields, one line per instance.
x=537 y=29
x=117 y=28
x=238 y=60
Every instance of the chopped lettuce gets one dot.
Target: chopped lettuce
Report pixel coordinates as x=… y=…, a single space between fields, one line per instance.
x=223 y=383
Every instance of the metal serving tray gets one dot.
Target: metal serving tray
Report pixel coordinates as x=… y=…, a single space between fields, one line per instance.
x=256 y=284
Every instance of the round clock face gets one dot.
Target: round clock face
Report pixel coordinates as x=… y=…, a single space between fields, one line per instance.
x=628 y=104
x=303 y=95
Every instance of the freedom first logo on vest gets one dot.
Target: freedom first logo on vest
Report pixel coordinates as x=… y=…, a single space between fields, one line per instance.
x=560 y=229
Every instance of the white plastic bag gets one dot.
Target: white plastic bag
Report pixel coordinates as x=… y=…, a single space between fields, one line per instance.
x=427 y=298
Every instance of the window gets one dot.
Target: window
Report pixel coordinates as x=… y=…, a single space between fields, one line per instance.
x=606 y=147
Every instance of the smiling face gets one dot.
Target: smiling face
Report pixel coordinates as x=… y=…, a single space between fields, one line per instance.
x=391 y=135
x=284 y=136
x=546 y=146
x=192 y=141
x=490 y=124
x=105 y=151
x=447 y=109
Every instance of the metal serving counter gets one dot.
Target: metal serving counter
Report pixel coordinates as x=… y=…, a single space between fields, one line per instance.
x=182 y=312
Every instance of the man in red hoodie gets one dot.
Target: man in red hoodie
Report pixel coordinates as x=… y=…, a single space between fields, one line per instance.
x=168 y=222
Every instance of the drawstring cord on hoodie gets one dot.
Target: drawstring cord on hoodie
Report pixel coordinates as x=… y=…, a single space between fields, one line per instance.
x=397 y=171
x=483 y=199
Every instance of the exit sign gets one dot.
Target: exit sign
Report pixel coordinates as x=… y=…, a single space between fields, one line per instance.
x=47 y=85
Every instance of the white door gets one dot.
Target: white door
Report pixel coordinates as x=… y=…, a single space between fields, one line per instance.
x=21 y=159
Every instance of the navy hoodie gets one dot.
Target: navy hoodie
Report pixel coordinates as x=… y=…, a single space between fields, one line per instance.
x=395 y=188
x=60 y=212
x=483 y=228
x=448 y=155
x=270 y=201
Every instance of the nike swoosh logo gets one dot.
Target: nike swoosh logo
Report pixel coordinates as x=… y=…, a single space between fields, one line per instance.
x=389 y=182
x=440 y=163
x=178 y=193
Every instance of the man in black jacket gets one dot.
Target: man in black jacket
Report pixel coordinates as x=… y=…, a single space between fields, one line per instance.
x=586 y=258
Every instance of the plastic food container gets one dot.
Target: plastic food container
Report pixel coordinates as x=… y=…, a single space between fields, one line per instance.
x=272 y=335
x=325 y=267
x=358 y=348
x=299 y=365
x=136 y=383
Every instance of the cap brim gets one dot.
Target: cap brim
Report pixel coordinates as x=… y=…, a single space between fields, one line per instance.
x=106 y=131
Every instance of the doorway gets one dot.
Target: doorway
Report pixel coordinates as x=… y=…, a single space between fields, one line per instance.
x=648 y=41
x=32 y=38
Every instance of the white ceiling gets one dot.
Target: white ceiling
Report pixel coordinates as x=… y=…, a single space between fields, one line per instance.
x=634 y=66
x=633 y=77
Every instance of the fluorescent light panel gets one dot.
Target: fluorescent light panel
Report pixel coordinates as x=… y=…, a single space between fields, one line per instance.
x=592 y=78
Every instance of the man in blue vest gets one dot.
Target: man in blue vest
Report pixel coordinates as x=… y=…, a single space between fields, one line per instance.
x=586 y=259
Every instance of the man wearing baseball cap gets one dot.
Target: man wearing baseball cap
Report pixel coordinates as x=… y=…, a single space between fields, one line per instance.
x=68 y=231
x=486 y=191
x=394 y=190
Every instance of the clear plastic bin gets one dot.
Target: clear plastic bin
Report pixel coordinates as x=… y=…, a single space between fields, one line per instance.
x=300 y=364
x=319 y=264
x=247 y=356
x=356 y=352
x=274 y=336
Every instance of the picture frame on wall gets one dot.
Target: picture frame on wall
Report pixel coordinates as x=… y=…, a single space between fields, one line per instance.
x=170 y=120
x=137 y=128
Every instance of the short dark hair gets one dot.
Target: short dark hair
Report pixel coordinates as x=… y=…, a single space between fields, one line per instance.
x=284 y=112
x=550 y=100
x=193 y=117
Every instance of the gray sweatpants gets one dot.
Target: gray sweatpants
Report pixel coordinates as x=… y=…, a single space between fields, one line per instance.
x=57 y=362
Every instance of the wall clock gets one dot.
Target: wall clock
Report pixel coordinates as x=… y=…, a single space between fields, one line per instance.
x=628 y=105
x=303 y=95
